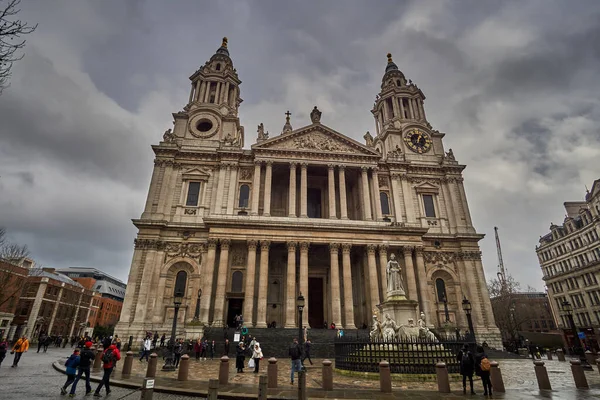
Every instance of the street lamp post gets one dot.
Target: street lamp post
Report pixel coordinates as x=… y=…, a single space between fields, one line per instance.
x=577 y=347
x=170 y=360
x=197 y=312
x=466 y=305
x=300 y=301
x=446 y=314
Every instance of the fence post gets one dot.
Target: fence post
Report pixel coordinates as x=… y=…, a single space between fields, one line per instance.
x=327 y=375
x=272 y=373
x=184 y=367
x=224 y=371
x=442 y=377
x=590 y=358
x=578 y=375
x=560 y=354
x=496 y=378
x=127 y=364
x=542 y=375
x=302 y=385
x=262 y=387
x=549 y=354
x=385 y=379
x=151 y=370
x=598 y=363
x=98 y=359
x=213 y=388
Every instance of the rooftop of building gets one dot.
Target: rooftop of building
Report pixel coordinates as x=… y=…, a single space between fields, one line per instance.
x=86 y=272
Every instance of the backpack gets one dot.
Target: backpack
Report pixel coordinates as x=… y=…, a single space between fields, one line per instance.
x=108 y=356
x=466 y=360
x=485 y=364
x=295 y=351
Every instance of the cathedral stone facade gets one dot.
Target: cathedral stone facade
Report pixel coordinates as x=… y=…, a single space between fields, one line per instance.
x=307 y=210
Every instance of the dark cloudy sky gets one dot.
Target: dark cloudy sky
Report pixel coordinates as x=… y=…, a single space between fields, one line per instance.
x=514 y=84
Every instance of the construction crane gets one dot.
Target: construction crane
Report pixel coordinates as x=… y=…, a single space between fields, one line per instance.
x=501 y=269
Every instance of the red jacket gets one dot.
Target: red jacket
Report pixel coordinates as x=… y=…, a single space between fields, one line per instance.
x=116 y=353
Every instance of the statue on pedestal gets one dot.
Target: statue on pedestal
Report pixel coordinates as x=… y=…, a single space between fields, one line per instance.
x=375 y=334
x=389 y=329
x=394 y=277
x=424 y=331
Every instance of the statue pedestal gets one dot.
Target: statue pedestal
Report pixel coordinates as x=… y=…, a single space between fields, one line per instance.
x=400 y=309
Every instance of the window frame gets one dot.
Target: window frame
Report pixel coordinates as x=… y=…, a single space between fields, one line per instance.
x=187 y=193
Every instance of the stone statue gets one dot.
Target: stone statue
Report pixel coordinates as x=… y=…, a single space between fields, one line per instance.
x=424 y=332
x=261 y=132
x=315 y=115
x=368 y=139
x=230 y=140
x=450 y=155
x=394 y=277
x=388 y=328
x=396 y=153
x=168 y=136
x=375 y=333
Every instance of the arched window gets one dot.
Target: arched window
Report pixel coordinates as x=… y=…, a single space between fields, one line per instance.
x=440 y=286
x=218 y=67
x=180 y=283
x=236 y=281
x=385 y=203
x=244 y=196
x=399 y=83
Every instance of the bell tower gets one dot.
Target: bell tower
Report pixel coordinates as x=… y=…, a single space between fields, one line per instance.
x=399 y=114
x=210 y=118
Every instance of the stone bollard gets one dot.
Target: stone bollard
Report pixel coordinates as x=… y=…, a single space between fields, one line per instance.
x=598 y=364
x=126 y=371
x=272 y=373
x=578 y=375
x=184 y=367
x=542 y=376
x=151 y=370
x=442 y=377
x=98 y=359
x=224 y=371
x=262 y=387
x=560 y=355
x=496 y=378
x=302 y=384
x=213 y=388
x=549 y=354
x=385 y=379
x=589 y=356
x=327 y=375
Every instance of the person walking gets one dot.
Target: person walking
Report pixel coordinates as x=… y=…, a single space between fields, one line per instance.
x=257 y=354
x=86 y=359
x=118 y=342
x=306 y=354
x=47 y=343
x=295 y=354
x=240 y=357
x=146 y=348
x=226 y=348
x=212 y=350
x=41 y=341
x=3 y=349
x=178 y=351
x=18 y=349
x=197 y=348
x=162 y=340
x=72 y=363
x=110 y=356
x=482 y=369
x=467 y=366
x=204 y=349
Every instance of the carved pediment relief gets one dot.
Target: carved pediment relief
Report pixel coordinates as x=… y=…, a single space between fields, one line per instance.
x=317 y=139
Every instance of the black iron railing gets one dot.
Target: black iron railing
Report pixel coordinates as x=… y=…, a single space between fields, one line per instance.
x=406 y=355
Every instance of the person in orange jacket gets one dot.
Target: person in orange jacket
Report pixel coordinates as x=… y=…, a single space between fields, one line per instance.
x=19 y=348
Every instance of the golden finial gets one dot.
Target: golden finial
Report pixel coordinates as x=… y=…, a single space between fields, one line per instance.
x=224 y=44
x=389 y=57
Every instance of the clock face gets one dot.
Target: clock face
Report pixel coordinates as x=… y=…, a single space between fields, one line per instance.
x=418 y=141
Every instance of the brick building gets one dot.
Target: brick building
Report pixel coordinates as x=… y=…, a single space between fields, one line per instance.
x=12 y=279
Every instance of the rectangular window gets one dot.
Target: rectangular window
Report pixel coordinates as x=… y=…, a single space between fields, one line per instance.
x=428 y=204
x=193 y=193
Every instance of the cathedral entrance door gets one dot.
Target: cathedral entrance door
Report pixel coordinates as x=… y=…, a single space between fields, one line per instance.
x=316 y=316
x=234 y=308
x=314 y=203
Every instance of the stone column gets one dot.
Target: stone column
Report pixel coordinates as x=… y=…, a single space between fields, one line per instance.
x=395 y=106
x=411 y=109
x=463 y=198
x=55 y=309
x=35 y=309
x=411 y=281
x=255 y=189
x=153 y=187
x=396 y=193
x=343 y=202
x=336 y=307
x=222 y=281
x=232 y=189
x=200 y=95
x=220 y=188
x=383 y=260
x=209 y=268
x=376 y=199
x=366 y=200
x=226 y=93
x=331 y=191
x=303 y=191
x=424 y=303
x=408 y=202
x=401 y=108
x=263 y=285
x=422 y=109
x=292 y=190
x=207 y=92
x=372 y=264
x=304 y=279
x=290 y=305
x=347 y=276
x=267 y=199
x=249 y=288
x=451 y=214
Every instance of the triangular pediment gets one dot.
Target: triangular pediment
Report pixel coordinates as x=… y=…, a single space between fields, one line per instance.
x=197 y=172
x=316 y=138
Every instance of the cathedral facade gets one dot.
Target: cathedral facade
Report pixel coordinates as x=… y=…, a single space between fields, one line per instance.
x=307 y=211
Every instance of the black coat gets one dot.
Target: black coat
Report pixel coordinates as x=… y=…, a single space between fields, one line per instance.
x=467 y=363
x=86 y=358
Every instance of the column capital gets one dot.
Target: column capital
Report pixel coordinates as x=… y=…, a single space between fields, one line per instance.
x=304 y=246
x=293 y=164
x=334 y=247
x=383 y=248
x=331 y=167
x=225 y=243
x=269 y=163
x=341 y=167
x=303 y=165
x=371 y=248
x=375 y=169
x=419 y=250
x=258 y=162
x=407 y=249
x=265 y=244
x=252 y=244
x=292 y=246
x=212 y=243
x=395 y=177
x=346 y=247
x=364 y=169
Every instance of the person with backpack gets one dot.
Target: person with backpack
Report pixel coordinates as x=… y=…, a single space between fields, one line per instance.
x=86 y=360
x=72 y=363
x=295 y=354
x=467 y=367
x=482 y=369
x=18 y=349
x=110 y=356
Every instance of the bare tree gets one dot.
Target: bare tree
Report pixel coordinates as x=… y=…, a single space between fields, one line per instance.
x=11 y=251
x=12 y=30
